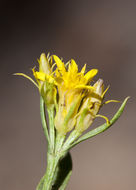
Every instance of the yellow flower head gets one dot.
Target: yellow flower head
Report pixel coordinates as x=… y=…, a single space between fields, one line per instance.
x=76 y=101
x=72 y=87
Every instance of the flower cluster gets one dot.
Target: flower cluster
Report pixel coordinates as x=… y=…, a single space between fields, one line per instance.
x=72 y=101
x=76 y=100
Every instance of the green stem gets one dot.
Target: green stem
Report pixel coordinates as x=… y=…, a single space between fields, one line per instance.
x=59 y=142
x=72 y=137
x=63 y=172
x=50 y=111
x=43 y=119
x=52 y=163
x=58 y=172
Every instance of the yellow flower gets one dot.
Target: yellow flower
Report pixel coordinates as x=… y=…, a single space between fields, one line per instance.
x=76 y=101
x=72 y=86
x=45 y=81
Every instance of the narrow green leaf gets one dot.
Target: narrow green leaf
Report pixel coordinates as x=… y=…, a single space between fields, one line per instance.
x=103 y=127
x=65 y=182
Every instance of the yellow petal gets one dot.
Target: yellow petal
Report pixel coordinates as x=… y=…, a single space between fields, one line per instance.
x=44 y=77
x=73 y=68
x=39 y=75
x=59 y=63
x=83 y=69
x=90 y=74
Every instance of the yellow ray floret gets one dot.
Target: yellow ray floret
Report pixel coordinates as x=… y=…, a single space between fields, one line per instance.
x=43 y=77
x=60 y=64
x=90 y=74
x=73 y=68
x=71 y=78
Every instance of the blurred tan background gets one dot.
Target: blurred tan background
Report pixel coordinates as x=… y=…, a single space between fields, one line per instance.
x=99 y=33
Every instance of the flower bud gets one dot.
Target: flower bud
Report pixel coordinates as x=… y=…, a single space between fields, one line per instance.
x=44 y=64
x=45 y=80
x=90 y=107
